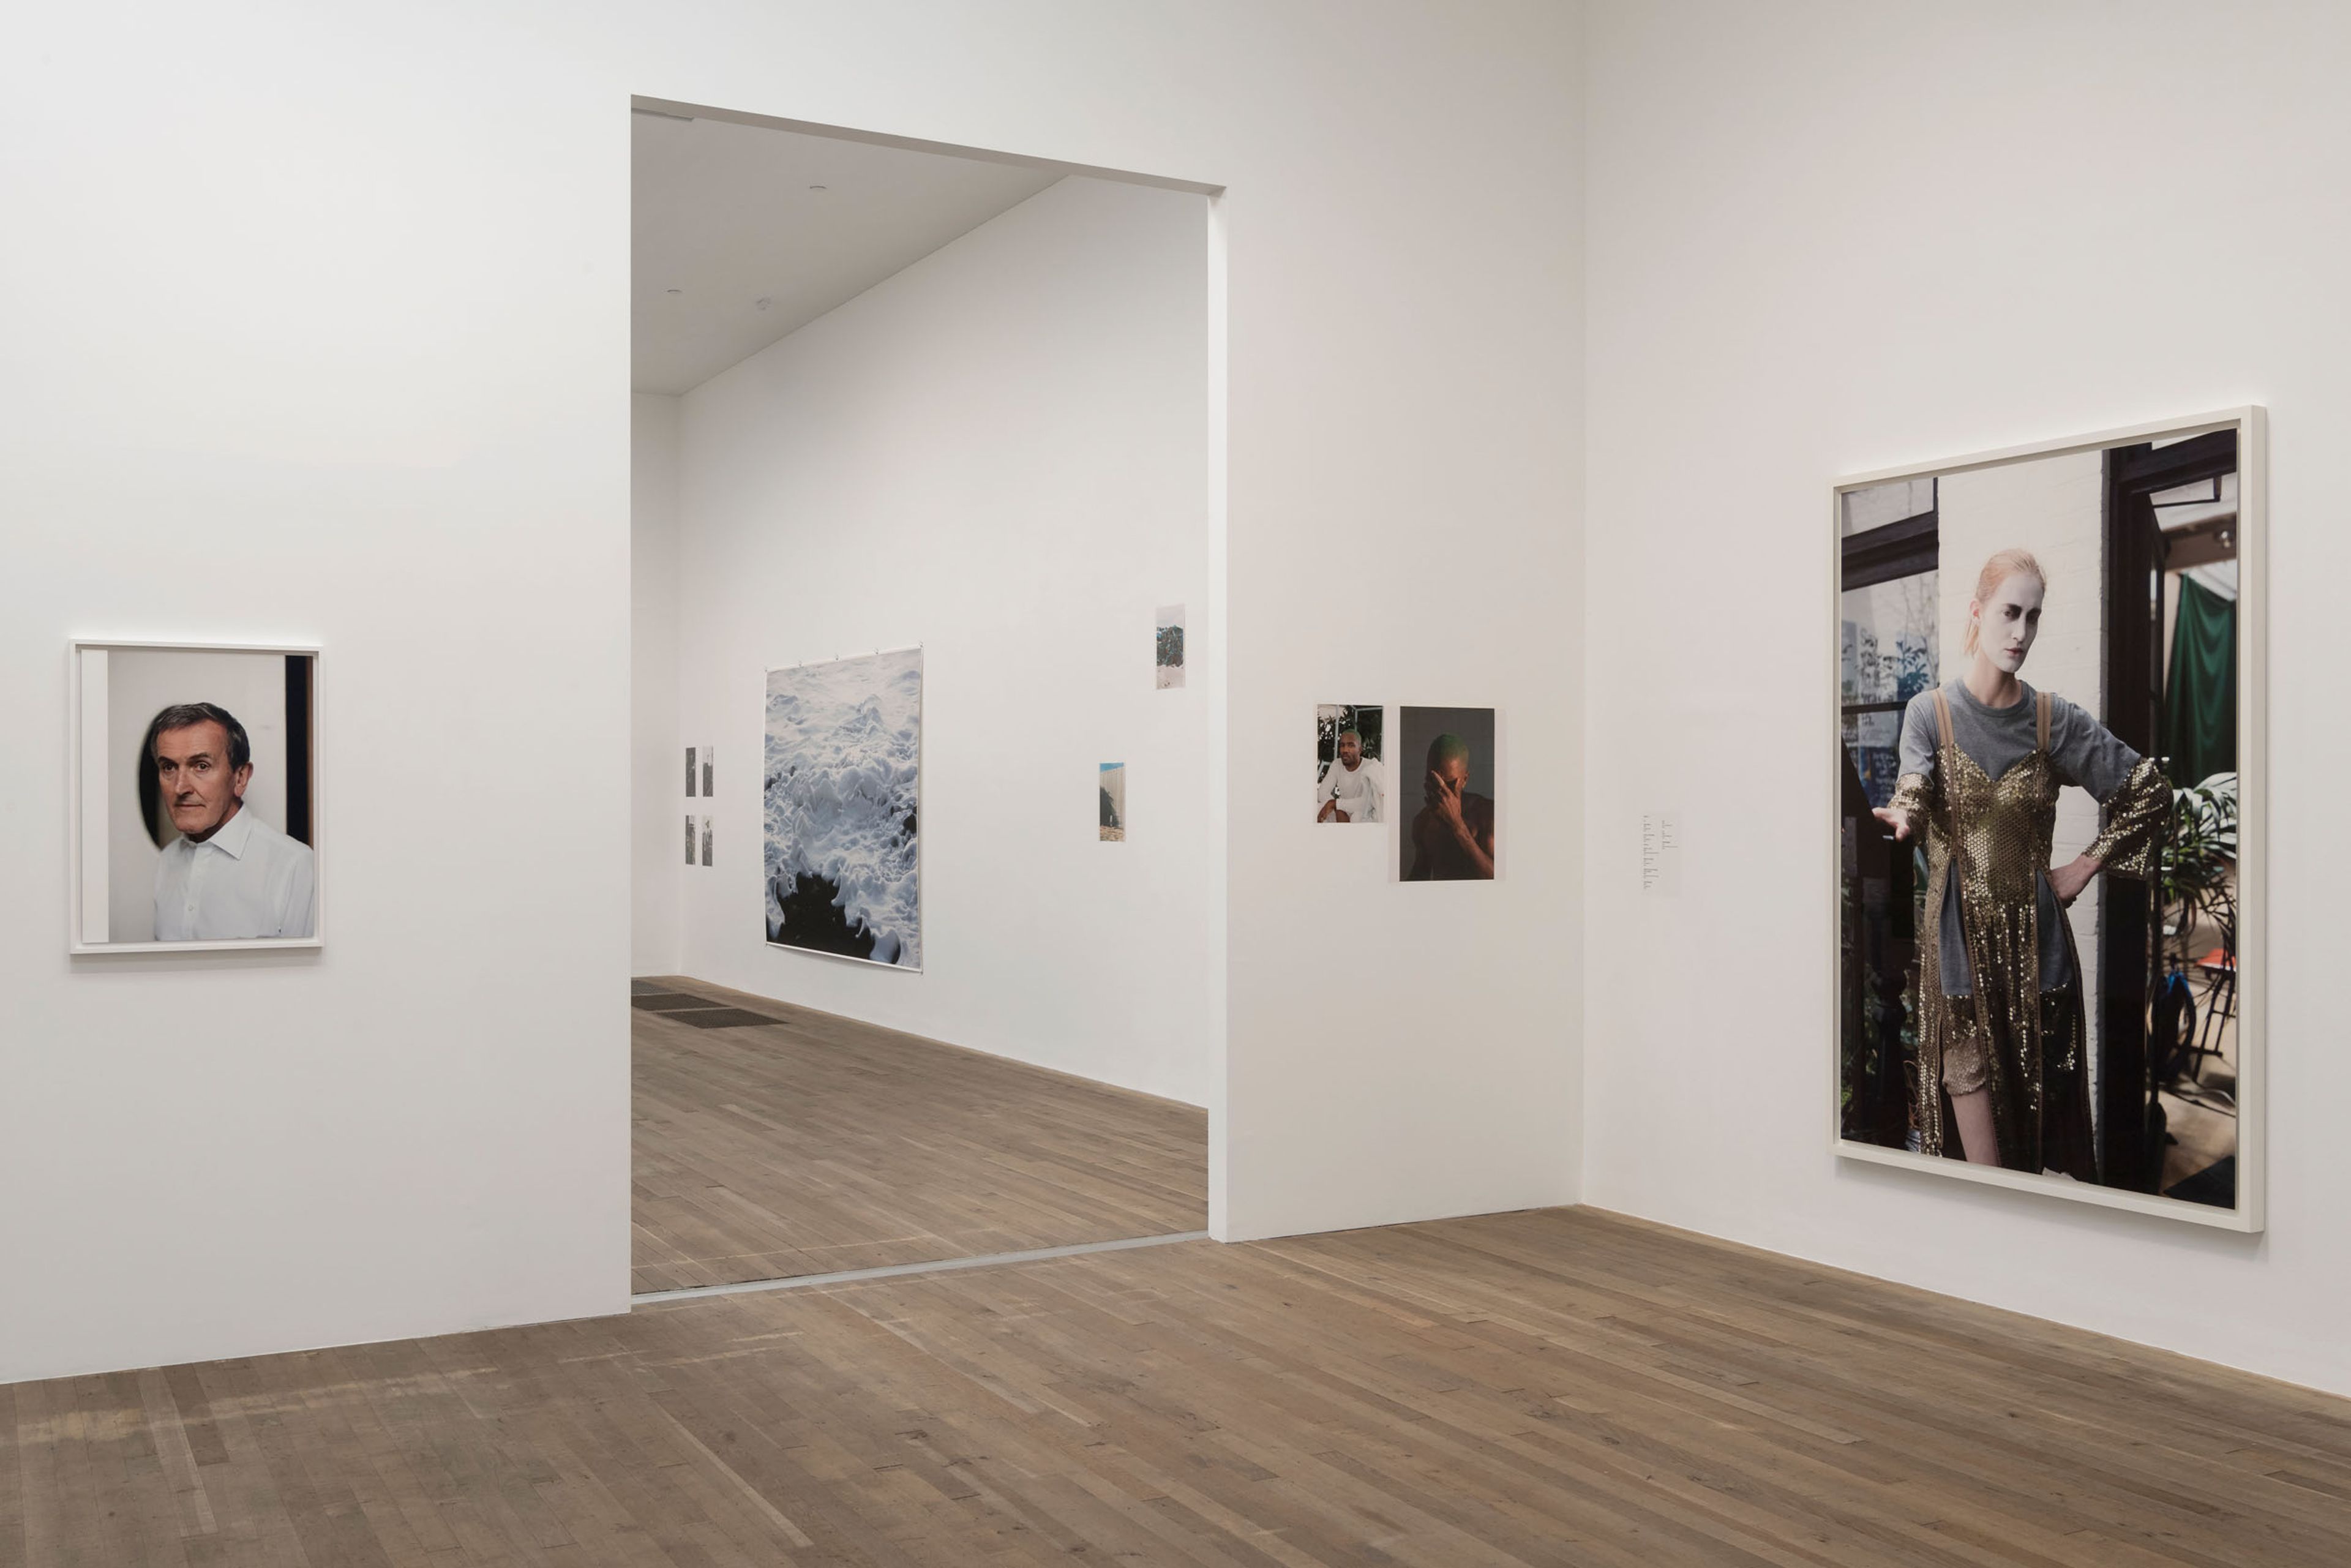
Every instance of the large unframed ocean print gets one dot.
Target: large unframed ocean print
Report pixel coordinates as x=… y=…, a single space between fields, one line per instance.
x=2050 y=881
x=842 y=781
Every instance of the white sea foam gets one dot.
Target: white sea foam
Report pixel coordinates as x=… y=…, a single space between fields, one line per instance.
x=844 y=754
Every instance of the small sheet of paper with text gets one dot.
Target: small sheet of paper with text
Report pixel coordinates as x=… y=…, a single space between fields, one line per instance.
x=1661 y=853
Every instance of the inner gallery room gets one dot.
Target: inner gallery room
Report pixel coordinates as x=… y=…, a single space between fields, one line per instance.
x=1259 y=782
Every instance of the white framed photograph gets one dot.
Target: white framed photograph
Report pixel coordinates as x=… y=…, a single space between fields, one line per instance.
x=195 y=799
x=2050 y=707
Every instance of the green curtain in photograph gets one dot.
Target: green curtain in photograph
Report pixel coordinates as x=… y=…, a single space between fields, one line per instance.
x=2201 y=697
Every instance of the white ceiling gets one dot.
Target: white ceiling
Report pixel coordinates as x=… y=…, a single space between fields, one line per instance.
x=723 y=216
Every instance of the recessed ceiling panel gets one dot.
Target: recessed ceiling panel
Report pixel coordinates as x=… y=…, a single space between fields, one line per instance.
x=743 y=234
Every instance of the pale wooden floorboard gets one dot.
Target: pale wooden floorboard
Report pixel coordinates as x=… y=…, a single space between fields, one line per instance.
x=817 y=1143
x=1553 y=1387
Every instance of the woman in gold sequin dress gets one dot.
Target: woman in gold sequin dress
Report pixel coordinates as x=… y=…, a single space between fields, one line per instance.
x=2002 y=1040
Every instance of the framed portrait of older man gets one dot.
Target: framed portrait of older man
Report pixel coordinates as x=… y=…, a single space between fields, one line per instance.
x=195 y=798
x=2050 y=772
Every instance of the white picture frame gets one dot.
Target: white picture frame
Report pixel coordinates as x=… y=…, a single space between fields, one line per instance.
x=90 y=802
x=2248 y=1214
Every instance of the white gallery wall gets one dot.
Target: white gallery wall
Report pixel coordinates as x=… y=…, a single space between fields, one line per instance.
x=1824 y=239
x=325 y=339
x=1407 y=527
x=1001 y=453
x=657 y=758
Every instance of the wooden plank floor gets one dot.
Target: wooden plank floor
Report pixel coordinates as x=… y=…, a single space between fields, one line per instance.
x=1554 y=1387
x=818 y=1144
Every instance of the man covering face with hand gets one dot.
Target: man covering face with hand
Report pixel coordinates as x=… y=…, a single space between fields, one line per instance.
x=229 y=876
x=1453 y=836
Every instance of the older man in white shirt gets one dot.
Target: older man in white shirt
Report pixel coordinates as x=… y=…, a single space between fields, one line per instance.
x=229 y=876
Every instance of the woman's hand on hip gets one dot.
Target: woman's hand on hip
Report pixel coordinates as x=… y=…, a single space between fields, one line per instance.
x=2067 y=880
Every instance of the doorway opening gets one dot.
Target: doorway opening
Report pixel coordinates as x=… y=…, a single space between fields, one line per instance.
x=926 y=465
x=2168 y=952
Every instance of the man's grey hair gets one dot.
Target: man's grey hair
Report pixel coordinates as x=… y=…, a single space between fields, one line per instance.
x=1355 y=735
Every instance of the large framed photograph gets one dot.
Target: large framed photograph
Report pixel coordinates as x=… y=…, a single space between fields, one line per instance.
x=195 y=798
x=2049 y=823
x=839 y=807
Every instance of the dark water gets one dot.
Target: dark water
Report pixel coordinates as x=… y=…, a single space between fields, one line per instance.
x=814 y=921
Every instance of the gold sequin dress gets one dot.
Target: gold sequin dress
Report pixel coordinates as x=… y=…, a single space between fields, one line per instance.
x=2008 y=1030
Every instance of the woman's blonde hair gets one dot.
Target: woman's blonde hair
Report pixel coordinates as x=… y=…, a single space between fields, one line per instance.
x=2003 y=565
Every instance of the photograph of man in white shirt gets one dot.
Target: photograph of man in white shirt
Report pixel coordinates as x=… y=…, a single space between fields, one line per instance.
x=1354 y=787
x=229 y=876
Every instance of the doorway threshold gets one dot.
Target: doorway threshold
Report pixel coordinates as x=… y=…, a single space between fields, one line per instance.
x=900 y=1271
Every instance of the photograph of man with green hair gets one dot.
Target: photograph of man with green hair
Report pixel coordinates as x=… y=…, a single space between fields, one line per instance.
x=1451 y=838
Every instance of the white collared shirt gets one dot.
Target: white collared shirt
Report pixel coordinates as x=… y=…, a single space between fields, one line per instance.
x=248 y=880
